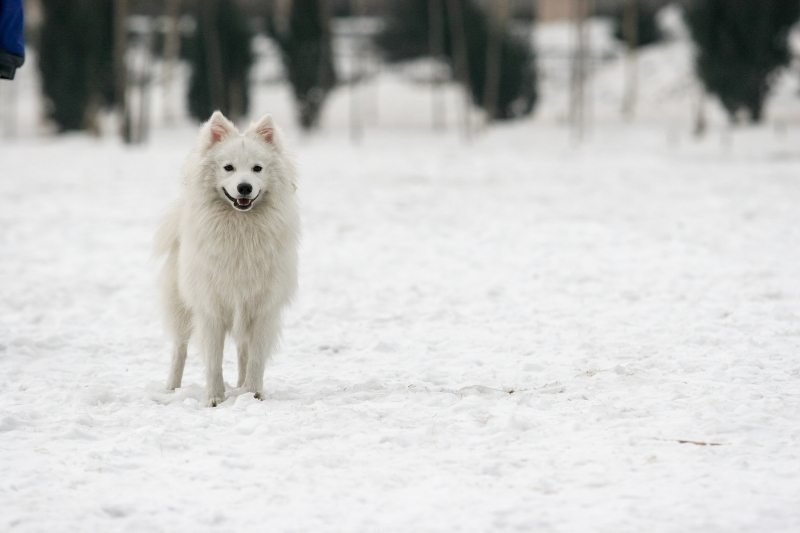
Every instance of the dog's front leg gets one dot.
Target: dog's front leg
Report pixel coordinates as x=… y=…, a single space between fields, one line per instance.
x=263 y=339
x=241 y=352
x=211 y=332
x=176 y=368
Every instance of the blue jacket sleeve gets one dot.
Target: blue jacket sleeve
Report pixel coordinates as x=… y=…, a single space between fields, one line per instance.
x=11 y=22
x=12 y=44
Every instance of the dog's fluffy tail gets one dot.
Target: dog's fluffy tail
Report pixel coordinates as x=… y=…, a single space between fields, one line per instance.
x=167 y=235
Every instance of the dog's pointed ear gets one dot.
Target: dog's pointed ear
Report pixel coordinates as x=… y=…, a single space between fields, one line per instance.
x=217 y=128
x=264 y=128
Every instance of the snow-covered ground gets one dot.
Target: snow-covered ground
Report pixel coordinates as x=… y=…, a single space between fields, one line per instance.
x=510 y=334
x=507 y=335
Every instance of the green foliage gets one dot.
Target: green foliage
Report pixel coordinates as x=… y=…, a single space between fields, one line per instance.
x=306 y=50
x=221 y=22
x=647 y=30
x=76 y=60
x=741 y=44
x=406 y=36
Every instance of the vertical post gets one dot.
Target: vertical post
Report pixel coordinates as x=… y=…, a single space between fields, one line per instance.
x=630 y=31
x=356 y=72
x=588 y=64
x=700 y=123
x=498 y=14
x=8 y=97
x=121 y=68
x=208 y=17
x=436 y=43
x=459 y=38
x=326 y=45
x=145 y=77
x=579 y=70
x=172 y=46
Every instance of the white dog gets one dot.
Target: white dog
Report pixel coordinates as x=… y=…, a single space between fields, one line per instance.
x=231 y=247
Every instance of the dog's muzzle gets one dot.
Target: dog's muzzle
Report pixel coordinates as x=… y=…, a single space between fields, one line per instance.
x=241 y=203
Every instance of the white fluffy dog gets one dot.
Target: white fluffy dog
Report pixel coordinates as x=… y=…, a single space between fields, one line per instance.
x=231 y=247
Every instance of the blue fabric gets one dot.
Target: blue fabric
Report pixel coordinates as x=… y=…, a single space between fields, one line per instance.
x=11 y=39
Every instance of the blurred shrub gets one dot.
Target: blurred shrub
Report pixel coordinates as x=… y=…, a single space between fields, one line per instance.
x=406 y=35
x=220 y=57
x=76 y=61
x=307 y=54
x=740 y=45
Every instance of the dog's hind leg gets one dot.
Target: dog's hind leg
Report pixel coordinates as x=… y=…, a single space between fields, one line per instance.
x=178 y=320
x=176 y=368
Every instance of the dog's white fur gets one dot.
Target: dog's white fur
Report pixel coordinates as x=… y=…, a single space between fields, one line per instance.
x=228 y=270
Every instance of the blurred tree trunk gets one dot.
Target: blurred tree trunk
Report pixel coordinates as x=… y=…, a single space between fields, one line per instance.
x=436 y=43
x=121 y=68
x=144 y=78
x=8 y=100
x=498 y=16
x=579 y=69
x=461 y=58
x=356 y=72
x=208 y=26
x=630 y=29
x=700 y=122
x=172 y=49
x=327 y=40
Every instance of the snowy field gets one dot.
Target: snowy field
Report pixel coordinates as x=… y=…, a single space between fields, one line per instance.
x=515 y=334
x=509 y=335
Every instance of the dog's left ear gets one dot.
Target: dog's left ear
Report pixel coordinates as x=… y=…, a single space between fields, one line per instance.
x=264 y=128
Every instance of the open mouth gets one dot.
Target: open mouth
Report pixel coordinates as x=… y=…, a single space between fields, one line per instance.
x=242 y=204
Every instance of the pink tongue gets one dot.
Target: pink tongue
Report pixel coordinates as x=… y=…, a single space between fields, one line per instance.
x=243 y=201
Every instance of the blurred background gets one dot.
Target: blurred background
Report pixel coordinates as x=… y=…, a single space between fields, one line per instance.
x=128 y=67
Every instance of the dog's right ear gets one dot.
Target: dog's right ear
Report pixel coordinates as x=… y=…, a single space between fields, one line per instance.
x=217 y=128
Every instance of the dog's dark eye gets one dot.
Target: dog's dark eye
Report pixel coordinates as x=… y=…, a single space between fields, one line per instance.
x=257 y=168
x=228 y=168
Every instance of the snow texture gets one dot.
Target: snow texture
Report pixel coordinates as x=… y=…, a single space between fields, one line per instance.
x=507 y=335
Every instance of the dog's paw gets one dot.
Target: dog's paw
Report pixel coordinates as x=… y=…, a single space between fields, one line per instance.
x=214 y=401
x=258 y=396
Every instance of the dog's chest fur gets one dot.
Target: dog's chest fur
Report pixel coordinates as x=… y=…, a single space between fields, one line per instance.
x=237 y=259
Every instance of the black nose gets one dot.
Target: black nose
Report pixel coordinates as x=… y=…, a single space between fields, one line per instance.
x=244 y=188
